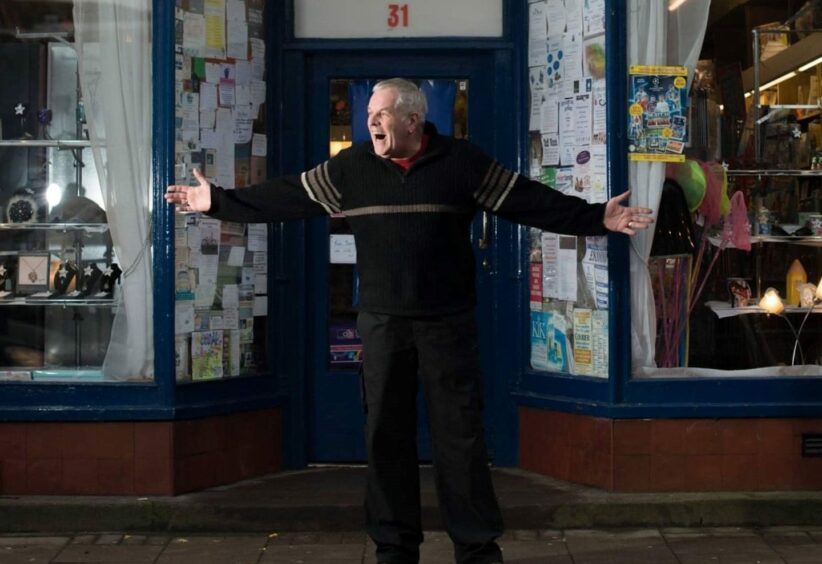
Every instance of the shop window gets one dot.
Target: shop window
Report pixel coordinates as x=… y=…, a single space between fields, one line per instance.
x=221 y=268
x=73 y=265
x=739 y=219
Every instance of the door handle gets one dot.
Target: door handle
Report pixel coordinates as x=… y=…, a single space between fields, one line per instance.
x=483 y=241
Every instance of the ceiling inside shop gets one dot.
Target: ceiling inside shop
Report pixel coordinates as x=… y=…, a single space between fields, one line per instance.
x=33 y=16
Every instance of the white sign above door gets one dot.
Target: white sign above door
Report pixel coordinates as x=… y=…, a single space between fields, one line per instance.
x=365 y=19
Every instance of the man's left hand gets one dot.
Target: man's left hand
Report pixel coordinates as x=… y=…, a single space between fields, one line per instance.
x=622 y=219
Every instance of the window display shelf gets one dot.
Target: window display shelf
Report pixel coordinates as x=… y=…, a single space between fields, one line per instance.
x=65 y=302
x=775 y=172
x=724 y=309
x=59 y=143
x=89 y=227
x=807 y=240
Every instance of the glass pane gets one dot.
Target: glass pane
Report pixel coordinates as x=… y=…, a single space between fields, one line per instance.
x=221 y=267
x=59 y=274
x=448 y=108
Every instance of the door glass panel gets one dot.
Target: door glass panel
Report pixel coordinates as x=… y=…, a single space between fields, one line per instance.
x=448 y=109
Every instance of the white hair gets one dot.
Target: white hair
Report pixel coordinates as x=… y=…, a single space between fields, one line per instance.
x=410 y=99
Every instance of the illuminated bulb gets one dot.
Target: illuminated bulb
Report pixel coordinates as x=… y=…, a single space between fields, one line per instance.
x=771 y=302
x=54 y=193
x=819 y=290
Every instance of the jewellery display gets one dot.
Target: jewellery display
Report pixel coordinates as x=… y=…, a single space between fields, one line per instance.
x=6 y=279
x=32 y=273
x=64 y=277
x=22 y=208
x=90 y=281
x=111 y=275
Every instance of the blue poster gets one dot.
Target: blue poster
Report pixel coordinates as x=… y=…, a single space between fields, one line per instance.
x=658 y=113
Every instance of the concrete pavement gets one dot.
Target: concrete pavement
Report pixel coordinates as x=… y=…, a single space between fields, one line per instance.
x=729 y=545
x=331 y=499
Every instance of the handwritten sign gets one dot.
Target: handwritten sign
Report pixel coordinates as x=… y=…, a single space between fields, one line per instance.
x=342 y=249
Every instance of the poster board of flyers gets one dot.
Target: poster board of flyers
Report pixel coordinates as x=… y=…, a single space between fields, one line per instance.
x=658 y=113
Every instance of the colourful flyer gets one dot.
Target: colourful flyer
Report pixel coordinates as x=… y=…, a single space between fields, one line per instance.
x=658 y=113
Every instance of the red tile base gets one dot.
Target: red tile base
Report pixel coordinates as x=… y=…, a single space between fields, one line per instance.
x=647 y=455
x=138 y=458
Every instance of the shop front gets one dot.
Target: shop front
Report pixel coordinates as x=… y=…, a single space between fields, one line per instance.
x=144 y=351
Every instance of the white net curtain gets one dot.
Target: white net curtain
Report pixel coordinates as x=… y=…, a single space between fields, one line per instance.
x=113 y=42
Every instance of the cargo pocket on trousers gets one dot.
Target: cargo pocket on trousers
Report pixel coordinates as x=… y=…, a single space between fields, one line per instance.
x=363 y=398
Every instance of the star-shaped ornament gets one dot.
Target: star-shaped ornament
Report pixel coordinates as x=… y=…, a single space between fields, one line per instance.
x=20 y=109
x=108 y=271
x=63 y=272
x=87 y=271
x=2 y=270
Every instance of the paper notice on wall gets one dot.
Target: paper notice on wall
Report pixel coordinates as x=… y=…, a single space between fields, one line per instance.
x=183 y=318
x=572 y=55
x=230 y=295
x=593 y=60
x=550 y=265
x=535 y=285
x=564 y=181
x=582 y=119
x=559 y=354
x=213 y=73
x=537 y=34
x=555 y=67
x=599 y=338
x=215 y=36
x=226 y=93
x=555 y=16
x=209 y=236
x=236 y=256
x=573 y=15
x=260 y=262
x=582 y=174
x=235 y=10
x=257 y=237
x=599 y=120
x=208 y=96
x=550 y=149
x=237 y=32
x=194 y=34
x=243 y=124
x=538 y=98
x=599 y=174
x=567 y=133
x=259 y=145
x=583 y=344
x=559 y=266
x=260 y=306
x=593 y=17
x=539 y=340
x=595 y=268
x=550 y=115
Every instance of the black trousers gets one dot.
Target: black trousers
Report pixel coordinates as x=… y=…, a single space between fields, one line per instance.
x=444 y=351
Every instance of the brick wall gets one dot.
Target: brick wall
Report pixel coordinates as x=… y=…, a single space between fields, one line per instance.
x=140 y=457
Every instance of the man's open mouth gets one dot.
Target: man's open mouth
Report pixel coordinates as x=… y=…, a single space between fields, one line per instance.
x=379 y=136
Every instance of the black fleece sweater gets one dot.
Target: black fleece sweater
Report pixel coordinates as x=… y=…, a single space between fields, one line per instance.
x=412 y=228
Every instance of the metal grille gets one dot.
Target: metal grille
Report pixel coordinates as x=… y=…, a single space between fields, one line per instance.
x=811 y=444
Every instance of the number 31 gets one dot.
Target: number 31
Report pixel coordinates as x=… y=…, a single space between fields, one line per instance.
x=394 y=13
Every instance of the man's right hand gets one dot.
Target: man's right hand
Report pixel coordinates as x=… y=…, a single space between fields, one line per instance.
x=191 y=198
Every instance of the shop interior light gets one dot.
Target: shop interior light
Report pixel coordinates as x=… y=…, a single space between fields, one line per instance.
x=773 y=83
x=806 y=66
x=819 y=290
x=54 y=193
x=771 y=302
x=675 y=4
